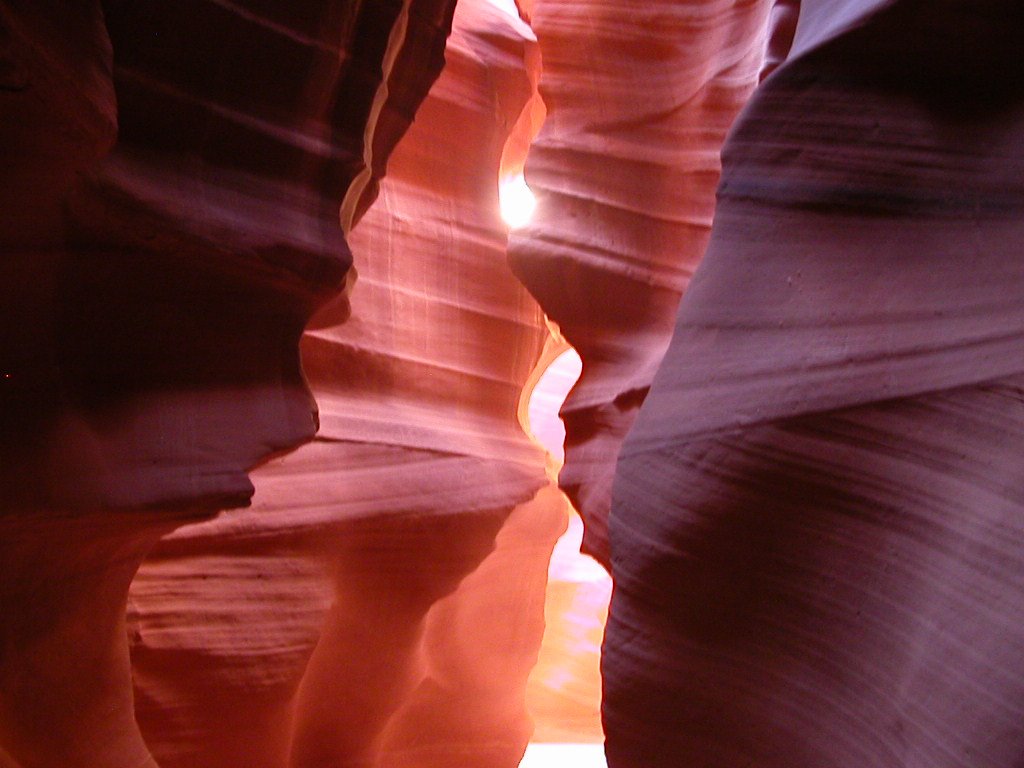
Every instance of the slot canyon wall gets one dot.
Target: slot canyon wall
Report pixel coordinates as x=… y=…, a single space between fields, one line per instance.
x=359 y=612
x=181 y=187
x=813 y=526
x=625 y=169
x=816 y=531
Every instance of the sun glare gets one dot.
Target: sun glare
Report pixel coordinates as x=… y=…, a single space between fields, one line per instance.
x=547 y=397
x=564 y=756
x=516 y=200
x=507 y=6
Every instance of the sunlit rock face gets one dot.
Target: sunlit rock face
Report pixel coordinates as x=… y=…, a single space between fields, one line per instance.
x=817 y=526
x=816 y=521
x=625 y=169
x=381 y=603
x=172 y=180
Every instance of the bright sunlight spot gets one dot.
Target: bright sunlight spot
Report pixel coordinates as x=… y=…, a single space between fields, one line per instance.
x=517 y=201
x=547 y=397
x=507 y=6
x=564 y=756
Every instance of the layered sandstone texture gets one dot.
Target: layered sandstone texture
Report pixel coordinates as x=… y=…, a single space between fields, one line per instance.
x=172 y=181
x=816 y=524
x=381 y=603
x=625 y=169
x=818 y=516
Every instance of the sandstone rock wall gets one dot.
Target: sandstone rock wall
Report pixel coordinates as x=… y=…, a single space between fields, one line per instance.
x=172 y=181
x=814 y=532
x=625 y=170
x=817 y=518
x=381 y=602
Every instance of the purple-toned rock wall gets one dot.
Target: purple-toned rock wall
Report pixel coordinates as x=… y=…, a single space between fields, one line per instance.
x=816 y=534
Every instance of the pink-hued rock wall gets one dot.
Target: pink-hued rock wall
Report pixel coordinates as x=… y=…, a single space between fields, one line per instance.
x=381 y=602
x=815 y=524
x=818 y=514
x=625 y=169
x=173 y=176
x=160 y=282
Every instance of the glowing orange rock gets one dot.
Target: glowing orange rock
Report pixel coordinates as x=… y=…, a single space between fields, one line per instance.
x=625 y=170
x=382 y=601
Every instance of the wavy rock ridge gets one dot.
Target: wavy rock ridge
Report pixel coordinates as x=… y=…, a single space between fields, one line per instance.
x=816 y=522
x=625 y=169
x=359 y=612
x=170 y=224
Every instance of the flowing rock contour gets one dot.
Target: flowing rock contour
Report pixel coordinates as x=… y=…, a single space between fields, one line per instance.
x=625 y=169
x=172 y=181
x=817 y=526
x=381 y=603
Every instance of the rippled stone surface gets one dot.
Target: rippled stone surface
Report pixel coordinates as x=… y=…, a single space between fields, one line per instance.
x=817 y=519
x=625 y=169
x=381 y=603
x=172 y=180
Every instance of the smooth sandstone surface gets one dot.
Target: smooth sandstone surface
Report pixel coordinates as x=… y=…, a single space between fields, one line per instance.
x=815 y=527
x=381 y=602
x=625 y=169
x=180 y=263
x=173 y=176
x=817 y=518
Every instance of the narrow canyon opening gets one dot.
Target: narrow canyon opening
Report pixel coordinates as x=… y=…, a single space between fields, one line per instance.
x=563 y=695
